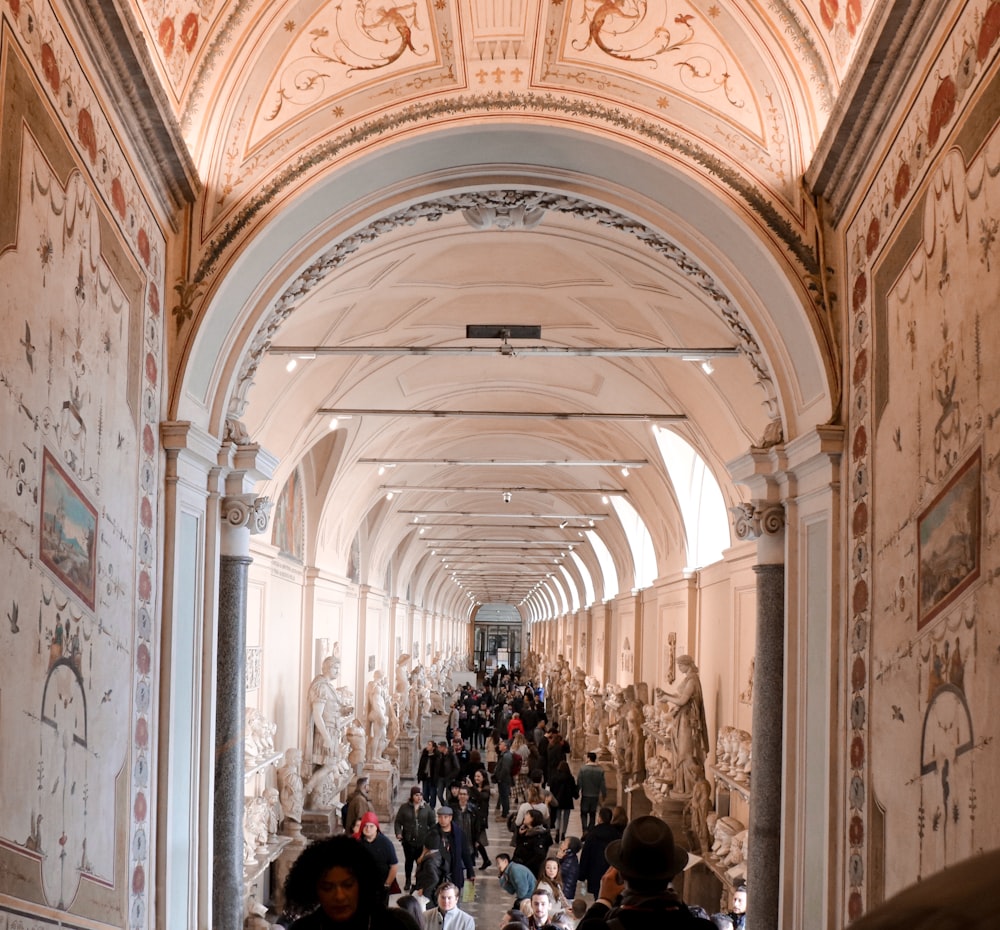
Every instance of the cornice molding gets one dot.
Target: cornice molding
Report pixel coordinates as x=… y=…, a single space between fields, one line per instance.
x=879 y=75
x=113 y=41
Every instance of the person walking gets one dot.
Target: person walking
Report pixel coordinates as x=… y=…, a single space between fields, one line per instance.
x=592 y=861
x=565 y=790
x=412 y=822
x=504 y=778
x=427 y=772
x=593 y=790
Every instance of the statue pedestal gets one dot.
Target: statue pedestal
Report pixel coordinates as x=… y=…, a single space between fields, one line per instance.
x=407 y=758
x=611 y=781
x=383 y=784
x=293 y=830
x=636 y=803
x=319 y=824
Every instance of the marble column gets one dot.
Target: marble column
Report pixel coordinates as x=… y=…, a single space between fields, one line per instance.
x=765 y=523
x=241 y=515
x=764 y=829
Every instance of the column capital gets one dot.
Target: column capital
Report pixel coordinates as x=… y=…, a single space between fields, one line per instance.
x=247 y=511
x=757 y=519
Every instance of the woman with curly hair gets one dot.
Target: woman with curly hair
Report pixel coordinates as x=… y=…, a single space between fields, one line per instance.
x=334 y=883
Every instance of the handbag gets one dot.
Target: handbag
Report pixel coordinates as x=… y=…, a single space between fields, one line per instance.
x=394 y=887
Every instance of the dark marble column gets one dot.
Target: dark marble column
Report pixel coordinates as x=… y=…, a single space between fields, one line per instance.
x=230 y=712
x=764 y=833
x=242 y=514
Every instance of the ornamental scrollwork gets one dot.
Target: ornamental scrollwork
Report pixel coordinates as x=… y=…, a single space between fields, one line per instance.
x=247 y=511
x=635 y=31
x=368 y=38
x=752 y=520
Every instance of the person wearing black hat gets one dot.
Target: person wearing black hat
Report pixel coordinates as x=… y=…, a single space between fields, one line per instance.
x=642 y=864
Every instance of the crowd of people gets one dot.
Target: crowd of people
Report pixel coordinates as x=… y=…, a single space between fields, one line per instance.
x=442 y=828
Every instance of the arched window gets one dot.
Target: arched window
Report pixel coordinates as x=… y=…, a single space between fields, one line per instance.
x=703 y=509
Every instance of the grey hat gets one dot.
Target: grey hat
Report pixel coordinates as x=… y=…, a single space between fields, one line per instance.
x=445 y=810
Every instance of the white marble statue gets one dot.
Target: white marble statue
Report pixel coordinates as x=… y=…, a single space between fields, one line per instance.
x=291 y=790
x=402 y=690
x=255 y=816
x=376 y=717
x=274 y=812
x=357 y=741
x=690 y=739
x=330 y=712
x=258 y=736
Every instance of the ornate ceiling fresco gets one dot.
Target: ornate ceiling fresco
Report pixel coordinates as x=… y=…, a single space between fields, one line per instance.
x=270 y=93
x=360 y=164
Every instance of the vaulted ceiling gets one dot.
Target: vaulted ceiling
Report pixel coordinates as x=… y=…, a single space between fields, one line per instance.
x=375 y=178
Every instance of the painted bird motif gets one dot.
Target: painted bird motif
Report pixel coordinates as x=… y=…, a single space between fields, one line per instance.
x=29 y=348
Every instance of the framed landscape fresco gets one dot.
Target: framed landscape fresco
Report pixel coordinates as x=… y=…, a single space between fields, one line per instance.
x=68 y=539
x=949 y=541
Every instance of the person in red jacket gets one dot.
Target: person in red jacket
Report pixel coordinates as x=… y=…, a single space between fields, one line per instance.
x=516 y=725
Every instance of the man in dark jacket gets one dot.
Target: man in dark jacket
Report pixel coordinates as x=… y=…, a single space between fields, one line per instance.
x=592 y=862
x=457 y=862
x=503 y=776
x=413 y=820
x=593 y=790
x=635 y=893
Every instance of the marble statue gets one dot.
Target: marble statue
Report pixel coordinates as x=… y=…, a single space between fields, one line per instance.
x=274 y=812
x=592 y=705
x=402 y=690
x=255 y=816
x=698 y=808
x=376 y=717
x=357 y=741
x=634 y=739
x=258 y=736
x=291 y=790
x=725 y=829
x=613 y=703
x=330 y=713
x=690 y=735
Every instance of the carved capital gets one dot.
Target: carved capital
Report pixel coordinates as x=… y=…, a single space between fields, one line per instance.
x=247 y=511
x=754 y=519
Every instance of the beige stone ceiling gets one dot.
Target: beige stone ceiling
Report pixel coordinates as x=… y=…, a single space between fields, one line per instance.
x=327 y=134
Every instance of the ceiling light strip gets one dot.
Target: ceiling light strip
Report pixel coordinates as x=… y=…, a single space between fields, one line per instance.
x=496 y=414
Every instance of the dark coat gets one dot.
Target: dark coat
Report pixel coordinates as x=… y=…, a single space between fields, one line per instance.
x=651 y=912
x=569 y=866
x=592 y=862
x=429 y=874
x=564 y=788
x=531 y=846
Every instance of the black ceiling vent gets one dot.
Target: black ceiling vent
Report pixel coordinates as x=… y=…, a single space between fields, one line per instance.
x=495 y=331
